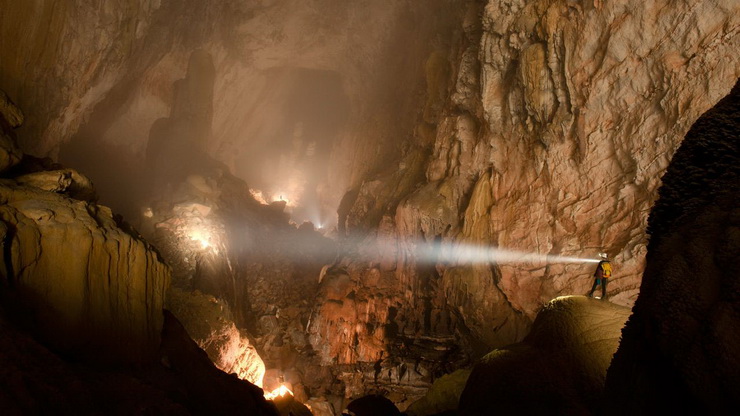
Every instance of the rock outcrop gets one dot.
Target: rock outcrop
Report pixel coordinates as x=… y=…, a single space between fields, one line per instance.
x=82 y=329
x=95 y=289
x=558 y=369
x=557 y=122
x=210 y=323
x=679 y=349
x=82 y=280
x=543 y=127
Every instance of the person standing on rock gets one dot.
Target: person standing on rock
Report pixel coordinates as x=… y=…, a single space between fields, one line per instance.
x=601 y=276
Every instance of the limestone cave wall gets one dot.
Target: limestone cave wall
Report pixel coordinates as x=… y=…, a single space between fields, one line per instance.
x=540 y=126
x=554 y=126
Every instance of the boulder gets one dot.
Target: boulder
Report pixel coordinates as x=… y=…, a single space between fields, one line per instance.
x=81 y=282
x=679 y=349
x=443 y=396
x=372 y=405
x=558 y=369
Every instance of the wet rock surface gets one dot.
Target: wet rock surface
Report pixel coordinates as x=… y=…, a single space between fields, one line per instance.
x=678 y=352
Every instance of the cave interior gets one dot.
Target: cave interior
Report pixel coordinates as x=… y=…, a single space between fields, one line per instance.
x=387 y=207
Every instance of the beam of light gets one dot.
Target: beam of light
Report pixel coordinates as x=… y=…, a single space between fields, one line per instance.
x=477 y=254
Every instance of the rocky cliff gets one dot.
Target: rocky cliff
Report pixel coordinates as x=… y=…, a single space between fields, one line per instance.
x=84 y=281
x=678 y=348
x=539 y=126
x=82 y=325
x=555 y=123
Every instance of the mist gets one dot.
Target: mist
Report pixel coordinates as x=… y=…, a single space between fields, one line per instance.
x=299 y=101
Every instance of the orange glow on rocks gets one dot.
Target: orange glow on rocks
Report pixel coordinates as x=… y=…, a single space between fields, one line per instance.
x=278 y=392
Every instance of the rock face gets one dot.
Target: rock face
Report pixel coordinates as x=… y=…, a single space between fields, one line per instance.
x=10 y=117
x=550 y=138
x=678 y=351
x=543 y=126
x=85 y=282
x=558 y=369
x=210 y=323
x=93 y=285
x=79 y=281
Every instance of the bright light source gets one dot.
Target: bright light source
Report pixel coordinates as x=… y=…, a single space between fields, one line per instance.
x=278 y=392
x=202 y=237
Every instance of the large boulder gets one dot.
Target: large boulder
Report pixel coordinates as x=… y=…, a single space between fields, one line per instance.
x=679 y=349
x=443 y=396
x=79 y=279
x=558 y=369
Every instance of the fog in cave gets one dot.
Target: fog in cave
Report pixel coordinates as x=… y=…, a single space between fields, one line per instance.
x=385 y=207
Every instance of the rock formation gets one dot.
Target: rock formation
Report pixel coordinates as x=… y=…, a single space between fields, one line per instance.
x=81 y=298
x=558 y=122
x=84 y=282
x=679 y=348
x=443 y=396
x=558 y=369
x=541 y=126
x=210 y=323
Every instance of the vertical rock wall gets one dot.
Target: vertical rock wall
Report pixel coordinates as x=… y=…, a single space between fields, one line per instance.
x=81 y=279
x=559 y=119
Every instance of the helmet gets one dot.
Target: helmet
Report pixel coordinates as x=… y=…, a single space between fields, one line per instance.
x=603 y=255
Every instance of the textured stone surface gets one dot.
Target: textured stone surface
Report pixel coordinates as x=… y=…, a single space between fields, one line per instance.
x=543 y=126
x=10 y=117
x=93 y=288
x=557 y=149
x=559 y=368
x=679 y=348
x=11 y=114
x=443 y=396
x=210 y=324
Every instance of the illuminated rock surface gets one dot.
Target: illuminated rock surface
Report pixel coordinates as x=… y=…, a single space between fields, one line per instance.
x=93 y=288
x=560 y=120
x=679 y=348
x=559 y=368
x=210 y=324
x=81 y=298
x=542 y=126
